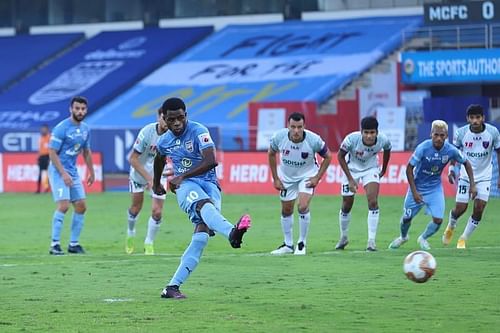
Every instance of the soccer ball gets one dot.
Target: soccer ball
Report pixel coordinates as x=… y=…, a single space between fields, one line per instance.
x=419 y=266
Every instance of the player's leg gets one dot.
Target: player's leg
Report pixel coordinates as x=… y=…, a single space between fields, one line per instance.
x=461 y=203
x=137 y=200
x=371 y=181
x=39 y=180
x=345 y=213
x=60 y=194
x=435 y=207
x=304 y=200
x=410 y=209
x=483 y=194
x=287 y=198
x=154 y=223
x=189 y=261
x=77 y=197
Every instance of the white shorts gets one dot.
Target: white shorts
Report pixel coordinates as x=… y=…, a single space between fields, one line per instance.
x=292 y=190
x=483 y=190
x=364 y=177
x=134 y=187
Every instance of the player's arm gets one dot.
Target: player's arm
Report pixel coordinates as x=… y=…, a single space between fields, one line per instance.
x=385 y=162
x=452 y=176
x=411 y=182
x=208 y=162
x=56 y=161
x=87 y=157
x=137 y=165
x=273 y=165
x=353 y=186
x=158 y=166
x=472 y=183
x=498 y=164
x=327 y=158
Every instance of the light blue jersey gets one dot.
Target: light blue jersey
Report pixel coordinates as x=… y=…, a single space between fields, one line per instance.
x=185 y=152
x=430 y=162
x=68 y=140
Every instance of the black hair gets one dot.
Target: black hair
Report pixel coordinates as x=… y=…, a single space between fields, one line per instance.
x=297 y=116
x=369 y=123
x=79 y=99
x=173 y=103
x=475 y=109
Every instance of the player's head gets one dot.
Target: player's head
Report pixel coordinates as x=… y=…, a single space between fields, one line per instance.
x=44 y=129
x=369 y=130
x=162 y=124
x=78 y=108
x=175 y=115
x=475 y=117
x=296 y=123
x=439 y=133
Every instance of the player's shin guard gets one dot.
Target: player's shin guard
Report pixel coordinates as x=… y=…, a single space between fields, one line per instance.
x=373 y=218
x=304 y=222
x=190 y=258
x=57 y=224
x=469 y=229
x=287 y=228
x=153 y=227
x=214 y=220
x=405 y=226
x=76 y=227
x=344 y=219
x=431 y=229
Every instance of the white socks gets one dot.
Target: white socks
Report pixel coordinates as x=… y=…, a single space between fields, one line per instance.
x=287 y=227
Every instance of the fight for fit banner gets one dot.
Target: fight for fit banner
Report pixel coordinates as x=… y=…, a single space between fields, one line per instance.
x=249 y=173
x=19 y=172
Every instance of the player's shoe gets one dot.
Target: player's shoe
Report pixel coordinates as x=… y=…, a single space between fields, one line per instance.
x=56 y=250
x=461 y=243
x=448 y=234
x=149 y=249
x=129 y=244
x=76 y=249
x=172 y=292
x=342 y=243
x=282 y=249
x=423 y=243
x=396 y=244
x=300 y=250
x=370 y=246
x=236 y=235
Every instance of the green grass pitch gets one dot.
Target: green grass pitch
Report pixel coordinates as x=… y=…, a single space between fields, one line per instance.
x=241 y=290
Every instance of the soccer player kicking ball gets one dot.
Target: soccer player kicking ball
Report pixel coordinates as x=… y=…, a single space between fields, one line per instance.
x=189 y=146
x=477 y=141
x=424 y=179
x=362 y=149
x=297 y=177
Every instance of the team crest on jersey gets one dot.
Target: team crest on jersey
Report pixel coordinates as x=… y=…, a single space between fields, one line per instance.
x=486 y=144
x=444 y=159
x=189 y=146
x=304 y=154
x=205 y=138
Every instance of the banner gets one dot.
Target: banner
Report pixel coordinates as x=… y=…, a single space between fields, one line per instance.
x=391 y=122
x=19 y=172
x=249 y=173
x=460 y=66
x=462 y=12
x=100 y=68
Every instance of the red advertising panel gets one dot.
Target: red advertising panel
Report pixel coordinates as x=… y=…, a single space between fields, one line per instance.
x=19 y=172
x=249 y=173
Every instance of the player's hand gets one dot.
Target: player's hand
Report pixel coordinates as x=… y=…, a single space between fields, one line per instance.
x=353 y=186
x=90 y=179
x=278 y=184
x=473 y=192
x=452 y=177
x=159 y=190
x=313 y=182
x=381 y=173
x=418 y=198
x=68 y=181
x=175 y=183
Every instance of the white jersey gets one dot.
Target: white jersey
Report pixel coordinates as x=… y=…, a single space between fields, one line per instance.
x=297 y=160
x=145 y=145
x=478 y=148
x=361 y=157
